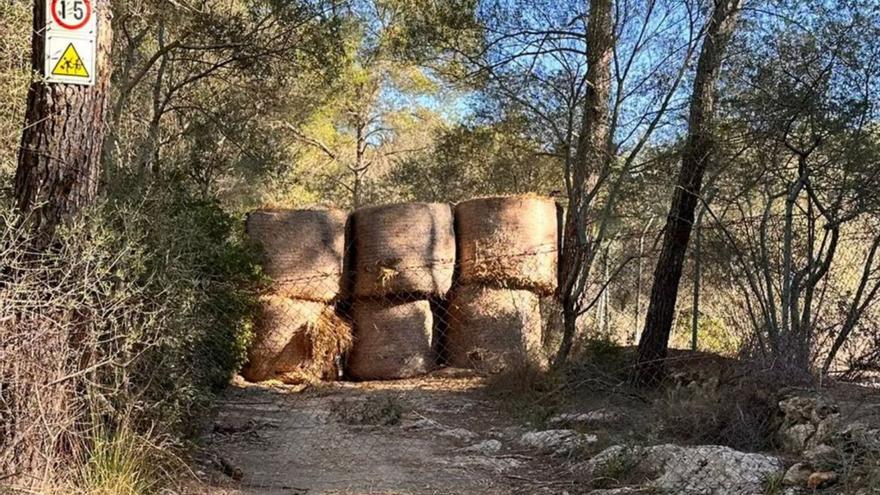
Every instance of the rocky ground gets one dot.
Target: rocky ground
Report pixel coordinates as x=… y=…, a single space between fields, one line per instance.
x=443 y=434
x=434 y=435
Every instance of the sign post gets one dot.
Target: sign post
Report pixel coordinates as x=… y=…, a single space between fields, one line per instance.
x=71 y=34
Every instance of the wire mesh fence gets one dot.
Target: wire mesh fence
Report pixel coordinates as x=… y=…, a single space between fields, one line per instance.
x=399 y=291
x=413 y=292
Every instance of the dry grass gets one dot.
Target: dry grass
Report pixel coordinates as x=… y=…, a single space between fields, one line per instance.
x=531 y=393
x=330 y=337
x=123 y=462
x=105 y=335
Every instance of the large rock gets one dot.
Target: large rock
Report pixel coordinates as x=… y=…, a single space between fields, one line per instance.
x=699 y=470
x=807 y=422
x=796 y=437
x=822 y=456
x=557 y=442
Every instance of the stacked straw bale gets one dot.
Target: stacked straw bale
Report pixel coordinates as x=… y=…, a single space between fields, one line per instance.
x=302 y=251
x=491 y=329
x=298 y=337
x=403 y=255
x=403 y=249
x=393 y=340
x=507 y=248
x=296 y=341
x=508 y=242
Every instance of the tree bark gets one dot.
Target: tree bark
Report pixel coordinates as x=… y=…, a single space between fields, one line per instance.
x=590 y=157
x=698 y=265
x=60 y=156
x=653 y=345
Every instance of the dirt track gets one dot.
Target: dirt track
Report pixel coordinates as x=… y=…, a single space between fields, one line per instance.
x=404 y=437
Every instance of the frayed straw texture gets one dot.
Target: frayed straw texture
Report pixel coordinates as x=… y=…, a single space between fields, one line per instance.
x=493 y=329
x=508 y=242
x=296 y=341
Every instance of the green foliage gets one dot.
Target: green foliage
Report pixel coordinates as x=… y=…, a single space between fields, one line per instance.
x=774 y=484
x=119 y=462
x=712 y=335
x=621 y=468
x=479 y=160
x=15 y=74
x=130 y=322
x=196 y=263
x=606 y=355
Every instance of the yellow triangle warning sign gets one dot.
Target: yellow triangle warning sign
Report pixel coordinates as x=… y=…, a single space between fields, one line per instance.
x=70 y=64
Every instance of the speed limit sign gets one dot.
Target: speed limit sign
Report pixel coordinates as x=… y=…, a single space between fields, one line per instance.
x=71 y=14
x=71 y=36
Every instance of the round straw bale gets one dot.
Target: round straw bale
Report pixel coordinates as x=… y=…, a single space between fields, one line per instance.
x=508 y=242
x=392 y=340
x=403 y=249
x=296 y=341
x=494 y=329
x=303 y=250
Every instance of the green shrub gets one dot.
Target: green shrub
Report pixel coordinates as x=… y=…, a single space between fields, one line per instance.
x=198 y=265
x=129 y=323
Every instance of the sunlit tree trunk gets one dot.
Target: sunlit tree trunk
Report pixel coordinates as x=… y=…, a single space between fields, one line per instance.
x=591 y=154
x=59 y=159
x=697 y=154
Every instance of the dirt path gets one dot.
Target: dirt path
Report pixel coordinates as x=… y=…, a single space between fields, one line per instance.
x=404 y=437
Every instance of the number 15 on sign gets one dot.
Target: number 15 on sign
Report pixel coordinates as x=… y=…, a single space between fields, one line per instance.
x=71 y=34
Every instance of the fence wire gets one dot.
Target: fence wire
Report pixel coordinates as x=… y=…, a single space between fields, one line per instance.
x=423 y=309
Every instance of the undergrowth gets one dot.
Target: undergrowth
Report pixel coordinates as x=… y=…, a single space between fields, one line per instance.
x=115 y=339
x=533 y=395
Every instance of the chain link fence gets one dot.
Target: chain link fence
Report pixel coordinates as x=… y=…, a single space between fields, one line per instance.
x=411 y=288
x=397 y=292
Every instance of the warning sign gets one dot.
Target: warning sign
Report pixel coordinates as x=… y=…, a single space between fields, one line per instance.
x=71 y=35
x=70 y=64
x=70 y=60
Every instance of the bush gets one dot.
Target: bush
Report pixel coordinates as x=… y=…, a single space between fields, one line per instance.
x=739 y=415
x=532 y=394
x=128 y=324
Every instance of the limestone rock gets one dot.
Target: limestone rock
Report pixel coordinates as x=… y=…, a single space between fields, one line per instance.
x=807 y=422
x=599 y=416
x=699 y=470
x=487 y=447
x=458 y=434
x=822 y=456
x=795 y=438
x=798 y=409
x=558 y=442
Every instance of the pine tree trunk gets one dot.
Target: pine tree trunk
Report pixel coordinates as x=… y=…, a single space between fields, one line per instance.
x=59 y=159
x=697 y=154
x=590 y=157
